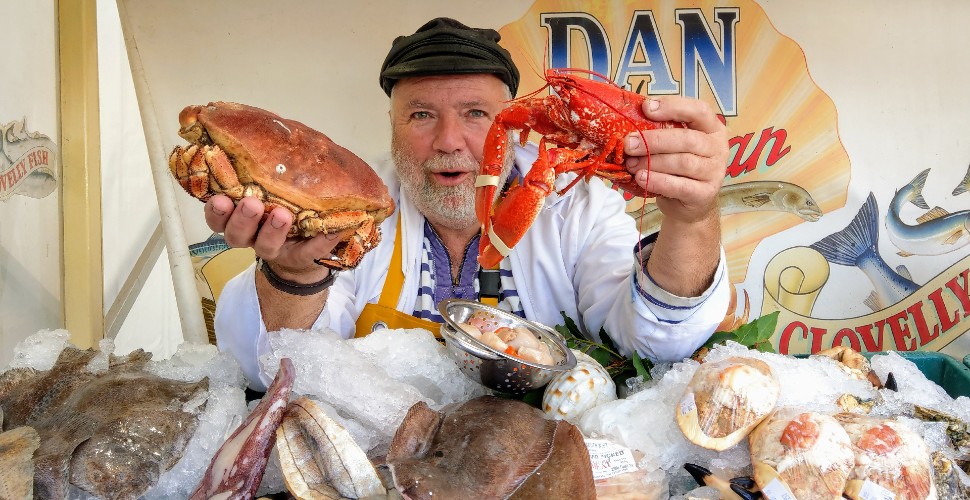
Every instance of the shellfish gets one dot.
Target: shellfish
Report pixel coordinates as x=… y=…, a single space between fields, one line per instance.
x=725 y=400
x=572 y=393
x=804 y=455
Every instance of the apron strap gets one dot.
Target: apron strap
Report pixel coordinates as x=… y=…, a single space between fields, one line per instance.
x=384 y=313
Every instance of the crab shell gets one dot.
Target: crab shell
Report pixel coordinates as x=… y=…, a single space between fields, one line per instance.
x=725 y=400
x=241 y=150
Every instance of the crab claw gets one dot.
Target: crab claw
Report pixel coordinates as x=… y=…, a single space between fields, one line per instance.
x=735 y=489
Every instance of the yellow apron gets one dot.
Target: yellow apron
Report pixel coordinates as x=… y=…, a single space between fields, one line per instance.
x=384 y=313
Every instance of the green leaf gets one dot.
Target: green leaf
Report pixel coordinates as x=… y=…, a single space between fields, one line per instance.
x=638 y=365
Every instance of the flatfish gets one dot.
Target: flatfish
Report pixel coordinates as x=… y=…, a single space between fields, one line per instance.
x=112 y=433
x=16 y=462
x=489 y=447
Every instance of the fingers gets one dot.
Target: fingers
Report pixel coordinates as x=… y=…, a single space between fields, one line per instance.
x=696 y=114
x=217 y=212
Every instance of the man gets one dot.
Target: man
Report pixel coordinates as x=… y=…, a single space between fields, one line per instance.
x=583 y=256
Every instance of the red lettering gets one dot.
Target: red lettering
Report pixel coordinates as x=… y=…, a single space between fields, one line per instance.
x=785 y=338
x=817 y=334
x=960 y=292
x=847 y=333
x=925 y=337
x=31 y=160
x=947 y=320
x=872 y=345
x=900 y=329
x=778 y=150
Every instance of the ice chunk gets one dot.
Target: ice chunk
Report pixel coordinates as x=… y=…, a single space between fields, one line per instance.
x=40 y=350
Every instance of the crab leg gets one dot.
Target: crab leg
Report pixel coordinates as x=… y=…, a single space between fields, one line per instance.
x=237 y=468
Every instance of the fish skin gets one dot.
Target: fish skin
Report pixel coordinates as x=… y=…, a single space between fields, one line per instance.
x=742 y=197
x=211 y=246
x=17 y=448
x=936 y=236
x=249 y=445
x=856 y=245
x=68 y=406
x=488 y=447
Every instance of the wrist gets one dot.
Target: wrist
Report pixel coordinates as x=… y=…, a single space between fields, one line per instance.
x=296 y=283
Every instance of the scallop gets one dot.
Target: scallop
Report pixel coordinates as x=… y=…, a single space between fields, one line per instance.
x=571 y=394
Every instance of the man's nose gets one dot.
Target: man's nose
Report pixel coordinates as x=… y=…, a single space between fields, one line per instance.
x=449 y=135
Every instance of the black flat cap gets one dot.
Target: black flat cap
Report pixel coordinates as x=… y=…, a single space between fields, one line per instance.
x=445 y=46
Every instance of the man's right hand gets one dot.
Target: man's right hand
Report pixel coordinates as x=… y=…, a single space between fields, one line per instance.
x=245 y=225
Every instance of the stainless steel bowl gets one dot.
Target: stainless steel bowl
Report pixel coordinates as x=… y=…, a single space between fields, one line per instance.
x=494 y=369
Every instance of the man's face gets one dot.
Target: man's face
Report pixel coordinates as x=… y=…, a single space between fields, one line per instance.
x=438 y=126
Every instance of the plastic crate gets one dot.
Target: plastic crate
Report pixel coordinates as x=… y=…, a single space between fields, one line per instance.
x=943 y=369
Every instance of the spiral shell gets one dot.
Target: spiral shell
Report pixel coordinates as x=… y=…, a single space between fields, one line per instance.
x=572 y=393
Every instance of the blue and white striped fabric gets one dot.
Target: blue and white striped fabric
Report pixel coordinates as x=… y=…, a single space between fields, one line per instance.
x=437 y=284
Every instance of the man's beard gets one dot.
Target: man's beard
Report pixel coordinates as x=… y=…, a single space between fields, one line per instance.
x=451 y=206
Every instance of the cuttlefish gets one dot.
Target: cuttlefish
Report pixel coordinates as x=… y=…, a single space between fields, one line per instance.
x=489 y=447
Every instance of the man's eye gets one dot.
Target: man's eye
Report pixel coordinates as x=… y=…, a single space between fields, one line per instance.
x=477 y=113
x=421 y=115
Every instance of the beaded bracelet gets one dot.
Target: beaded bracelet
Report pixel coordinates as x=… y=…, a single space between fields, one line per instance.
x=292 y=287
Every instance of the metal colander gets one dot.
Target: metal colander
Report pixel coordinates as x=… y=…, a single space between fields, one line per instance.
x=494 y=369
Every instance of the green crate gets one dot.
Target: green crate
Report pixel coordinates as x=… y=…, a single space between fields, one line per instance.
x=943 y=369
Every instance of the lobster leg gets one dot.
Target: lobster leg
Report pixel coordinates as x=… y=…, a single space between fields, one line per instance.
x=513 y=215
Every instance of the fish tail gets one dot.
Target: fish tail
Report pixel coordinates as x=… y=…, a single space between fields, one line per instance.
x=846 y=246
x=963 y=185
x=918 y=183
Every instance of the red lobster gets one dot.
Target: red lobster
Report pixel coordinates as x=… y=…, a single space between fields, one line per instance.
x=587 y=121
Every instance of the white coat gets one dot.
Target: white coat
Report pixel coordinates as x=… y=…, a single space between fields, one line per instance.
x=578 y=257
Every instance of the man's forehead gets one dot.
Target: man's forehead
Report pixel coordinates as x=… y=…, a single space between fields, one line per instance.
x=465 y=89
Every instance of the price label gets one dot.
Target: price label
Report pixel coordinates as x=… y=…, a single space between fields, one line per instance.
x=687 y=404
x=609 y=459
x=872 y=491
x=777 y=490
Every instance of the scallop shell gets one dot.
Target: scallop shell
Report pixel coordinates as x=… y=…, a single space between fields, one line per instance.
x=572 y=393
x=804 y=455
x=725 y=400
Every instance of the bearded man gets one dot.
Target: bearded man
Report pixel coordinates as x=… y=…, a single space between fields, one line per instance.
x=583 y=256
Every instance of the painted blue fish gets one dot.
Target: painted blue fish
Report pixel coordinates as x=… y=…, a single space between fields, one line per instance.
x=856 y=246
x=964 y=185
x=936 y=232
x=210 y=247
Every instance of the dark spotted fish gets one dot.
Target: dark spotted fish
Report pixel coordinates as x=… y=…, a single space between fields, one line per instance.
x=237 y=468
x=488 y=448
x=17 y=464
x=111 y=434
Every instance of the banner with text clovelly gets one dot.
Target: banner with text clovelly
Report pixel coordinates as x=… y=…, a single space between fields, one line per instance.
x=787 y=169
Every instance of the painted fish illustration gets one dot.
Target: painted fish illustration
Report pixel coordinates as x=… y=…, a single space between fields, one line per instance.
x=210 y=247
x=937 y=232
x=964 y=185
x=856 y=246
x=743 y=197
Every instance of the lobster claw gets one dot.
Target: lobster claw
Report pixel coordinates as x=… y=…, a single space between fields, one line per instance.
x=504 y=224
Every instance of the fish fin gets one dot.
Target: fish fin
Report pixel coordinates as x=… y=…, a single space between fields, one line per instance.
x=904 y=272
x=756 y=200
x=414 y=436
x=962 y=186
x=846 y=246
x=904 y=254
x=953 y=238
x=873 y=302
x=935 y=213
x=918 y=183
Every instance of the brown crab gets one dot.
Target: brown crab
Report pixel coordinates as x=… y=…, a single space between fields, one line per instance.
x=241 y=150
